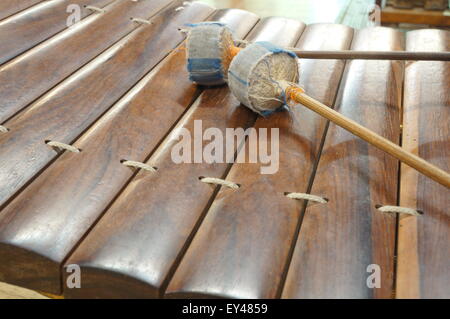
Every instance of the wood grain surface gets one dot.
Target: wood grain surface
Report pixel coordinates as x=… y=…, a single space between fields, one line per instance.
x=148 y=117
x=30 y=27
x=35 y=220
x=424 y=241
x=32 y=74
x=146 y=231
x=10 y=7
x=66 y=111
x=340 y=239
x=242 y=247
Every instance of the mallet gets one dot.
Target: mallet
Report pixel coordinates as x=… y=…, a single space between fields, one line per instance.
x=264 y=78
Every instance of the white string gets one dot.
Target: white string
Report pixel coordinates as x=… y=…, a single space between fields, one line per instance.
x=139 y=165
x=179 y=9
x=219 y=181
x=399 y=210
x=308 y=197
x=139 y=20
x=244 y=42
x=3 y=129
x=265 y=98
x=63 y=146
x=97 y=9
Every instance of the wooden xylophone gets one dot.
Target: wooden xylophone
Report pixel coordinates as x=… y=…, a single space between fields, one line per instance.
x=114 y=88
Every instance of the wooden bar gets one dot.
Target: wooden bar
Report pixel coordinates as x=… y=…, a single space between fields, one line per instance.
x=343 y=242
x=30 y=75
x=242 y=247
x=142 y=237
x=30 y=27
x=10 y=7
x=423 y=260
x=27 y=233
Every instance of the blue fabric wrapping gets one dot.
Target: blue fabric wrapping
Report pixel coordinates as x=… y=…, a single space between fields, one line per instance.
x=270 y=112
x=205 y=71
x=193 y=25
x=206 y=46
x=275 y=49
x=238 y=78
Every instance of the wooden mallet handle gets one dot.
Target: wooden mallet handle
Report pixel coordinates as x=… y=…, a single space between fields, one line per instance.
x=364 y=55
x=373 y=55
x=376 y=140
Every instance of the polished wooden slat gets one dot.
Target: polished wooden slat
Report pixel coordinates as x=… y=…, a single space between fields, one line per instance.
x=9 y=7
x=292 y=29
x=242 y=247
x=30 y=27
x=340 y=239
x=30 y=75
x=34 y=238
x=424 y=241
x=144 y=233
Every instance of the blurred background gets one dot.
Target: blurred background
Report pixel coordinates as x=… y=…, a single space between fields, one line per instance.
x=403 y=14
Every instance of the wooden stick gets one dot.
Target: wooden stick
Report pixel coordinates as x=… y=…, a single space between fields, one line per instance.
x=365 y=55
x=374 y=55
x=376 y=140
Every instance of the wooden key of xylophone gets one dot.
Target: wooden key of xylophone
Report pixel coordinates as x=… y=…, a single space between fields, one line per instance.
x=342 y=242
x=29 y=28
x=423 y=241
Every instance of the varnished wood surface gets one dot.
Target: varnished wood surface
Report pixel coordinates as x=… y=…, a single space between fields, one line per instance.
x=30 y=27
x=148 y=117
x=169 y=208
x=10 y=7
x=32 y=74
x=340 y=239
x=72 y=106
x=145 y=232
x=66 y=194
x=242 y=247
x=36 y=220
x=424 y=241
